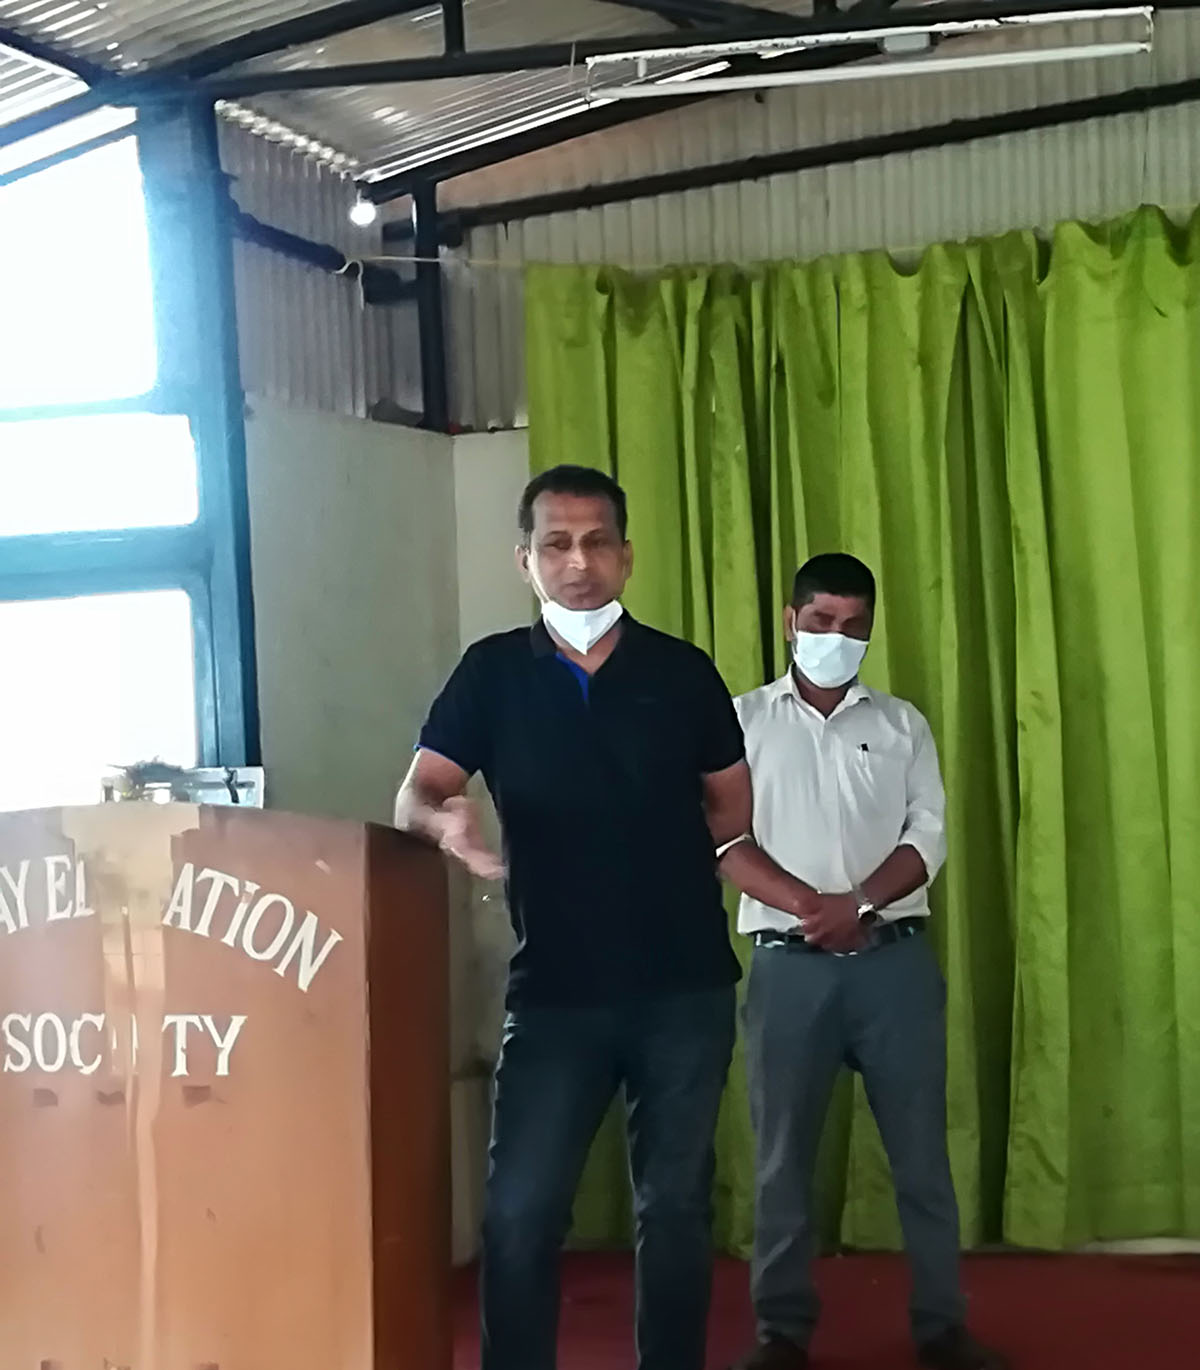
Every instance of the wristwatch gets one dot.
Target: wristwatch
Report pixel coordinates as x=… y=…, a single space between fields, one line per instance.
x=868 y=914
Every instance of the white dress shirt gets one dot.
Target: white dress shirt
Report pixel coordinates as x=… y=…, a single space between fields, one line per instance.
x=834 y=797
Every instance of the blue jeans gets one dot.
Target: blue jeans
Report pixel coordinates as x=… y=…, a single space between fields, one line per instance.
x=559 y=1070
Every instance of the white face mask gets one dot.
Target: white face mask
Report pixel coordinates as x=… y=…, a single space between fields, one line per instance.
x=581 y=628
x=828 y=660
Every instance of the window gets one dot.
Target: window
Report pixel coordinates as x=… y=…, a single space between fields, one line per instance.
x=78 y=302
x=96 y=472
x=123 y=596
x=90 y=683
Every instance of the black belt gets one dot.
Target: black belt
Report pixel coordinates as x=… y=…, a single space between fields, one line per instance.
x=881 y=935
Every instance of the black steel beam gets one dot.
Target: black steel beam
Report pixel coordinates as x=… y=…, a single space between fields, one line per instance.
x=166 y=83
x=454 y=36
x=481 y=62
x=581 y=125
x=45 y=55
x=595 y=121
x=688 y=12
x=291 y=33
x=170 y=80
x=380 y=284
x=431 y=323
x=1135 y=101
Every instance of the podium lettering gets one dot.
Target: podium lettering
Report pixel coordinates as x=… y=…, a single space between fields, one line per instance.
x=265 y=926
x=82 y=910
x=251 y=926
x=56 y=889
x=304 y=945
x=23 y=1058
x=49 y=1024
x=270 y=952
x=224 y=1041
x=17 y=887
x=94 y=1020
x=220 y=883
x=181 y=1022
x=239 y=914
x=179 y=910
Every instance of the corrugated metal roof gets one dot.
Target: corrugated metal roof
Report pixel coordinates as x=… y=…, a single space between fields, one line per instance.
x=26 y=86
x=391 y=128
x=128 y=35
x=381 y=128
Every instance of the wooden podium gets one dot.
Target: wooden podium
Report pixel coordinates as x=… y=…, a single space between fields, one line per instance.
x=224 y=1136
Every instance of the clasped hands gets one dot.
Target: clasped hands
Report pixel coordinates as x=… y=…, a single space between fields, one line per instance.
x=830 y=921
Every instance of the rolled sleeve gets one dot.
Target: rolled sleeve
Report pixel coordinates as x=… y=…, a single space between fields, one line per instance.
x=925 y=820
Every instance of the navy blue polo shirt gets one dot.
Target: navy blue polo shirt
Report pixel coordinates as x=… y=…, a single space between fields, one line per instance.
x=612 y=880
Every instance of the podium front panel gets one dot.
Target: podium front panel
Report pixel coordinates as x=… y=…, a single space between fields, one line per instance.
x=223 y=1131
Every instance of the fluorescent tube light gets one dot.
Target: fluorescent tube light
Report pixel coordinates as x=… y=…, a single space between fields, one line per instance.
x=923 y=66
x=941 y=28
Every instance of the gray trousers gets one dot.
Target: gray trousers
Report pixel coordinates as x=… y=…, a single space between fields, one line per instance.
x=882 y=1014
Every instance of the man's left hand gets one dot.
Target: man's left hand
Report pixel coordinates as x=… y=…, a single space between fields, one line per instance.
x=834 y=924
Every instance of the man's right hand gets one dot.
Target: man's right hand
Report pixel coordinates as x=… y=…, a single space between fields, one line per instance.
x=831 y=922
x=459 y=835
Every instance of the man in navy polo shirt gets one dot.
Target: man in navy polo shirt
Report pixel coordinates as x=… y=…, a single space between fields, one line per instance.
x=615 y=760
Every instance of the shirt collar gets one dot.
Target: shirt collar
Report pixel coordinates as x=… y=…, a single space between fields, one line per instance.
x=858 y=693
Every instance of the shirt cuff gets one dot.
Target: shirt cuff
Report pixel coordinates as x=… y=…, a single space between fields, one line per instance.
x=930 y=847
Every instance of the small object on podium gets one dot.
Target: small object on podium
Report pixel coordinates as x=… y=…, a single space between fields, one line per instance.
x=157 y=782
x=224 y=1092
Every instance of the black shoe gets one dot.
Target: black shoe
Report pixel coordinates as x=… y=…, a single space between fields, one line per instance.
x=774 y=1354
x=957 y=1349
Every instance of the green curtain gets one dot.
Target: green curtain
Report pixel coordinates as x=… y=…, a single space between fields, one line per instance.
x=1010 y=435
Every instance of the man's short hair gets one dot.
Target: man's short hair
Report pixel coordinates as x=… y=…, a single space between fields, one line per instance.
x=833 y=573
x=583 y=481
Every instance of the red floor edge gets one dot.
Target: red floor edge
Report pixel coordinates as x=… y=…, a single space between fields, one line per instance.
x=1048 y=1312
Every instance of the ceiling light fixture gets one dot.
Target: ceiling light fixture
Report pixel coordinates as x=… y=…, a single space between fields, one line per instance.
x=934 y=28
x=908 y=46
x=922 y=66
x=363 y=212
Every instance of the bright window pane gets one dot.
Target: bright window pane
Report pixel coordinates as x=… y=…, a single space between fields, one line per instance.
x=100 y=472
x=78 y=317
x=62 y=136
x=89 y=684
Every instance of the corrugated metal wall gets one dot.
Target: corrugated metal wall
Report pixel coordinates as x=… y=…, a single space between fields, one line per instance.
x=902 y=203
x=306 y=337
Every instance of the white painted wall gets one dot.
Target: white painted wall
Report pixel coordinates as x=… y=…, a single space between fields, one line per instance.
x=379 y=553
x=490 y=471
x=356 y=601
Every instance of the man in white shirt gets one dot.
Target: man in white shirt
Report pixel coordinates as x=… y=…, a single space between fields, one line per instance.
x=848 y=803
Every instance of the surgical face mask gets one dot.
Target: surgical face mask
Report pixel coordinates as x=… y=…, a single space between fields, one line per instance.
x=580 y=628
x=828 y=660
